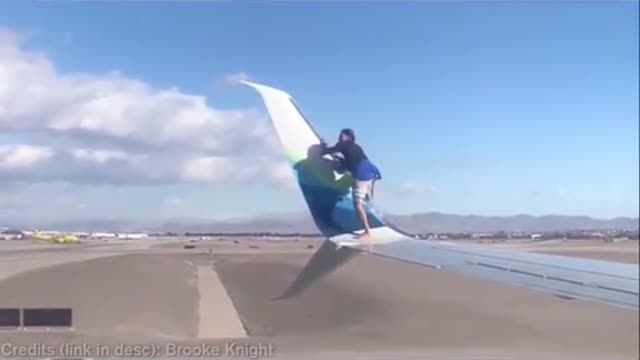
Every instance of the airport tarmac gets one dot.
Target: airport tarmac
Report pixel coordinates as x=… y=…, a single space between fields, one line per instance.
x=623 y=251
x=157 y=292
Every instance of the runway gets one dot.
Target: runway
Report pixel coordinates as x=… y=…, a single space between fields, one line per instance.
x=157 y=292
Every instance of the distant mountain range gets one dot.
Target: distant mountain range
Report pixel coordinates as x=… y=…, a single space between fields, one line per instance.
x=302 y=223
x=439 y=223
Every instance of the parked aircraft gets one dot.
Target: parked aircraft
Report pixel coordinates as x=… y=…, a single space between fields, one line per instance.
x=57 y=238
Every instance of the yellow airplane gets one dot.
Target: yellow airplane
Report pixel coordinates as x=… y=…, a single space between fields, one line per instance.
x=58 y=238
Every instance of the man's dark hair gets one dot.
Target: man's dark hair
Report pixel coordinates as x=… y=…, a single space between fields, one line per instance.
x=349 y=133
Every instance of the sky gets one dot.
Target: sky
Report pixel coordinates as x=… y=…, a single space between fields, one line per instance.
x=119 y=110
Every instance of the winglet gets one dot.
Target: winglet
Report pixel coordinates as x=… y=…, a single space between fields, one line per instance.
x=326 y=192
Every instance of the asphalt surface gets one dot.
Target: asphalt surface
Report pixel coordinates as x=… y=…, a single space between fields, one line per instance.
x=141 y=294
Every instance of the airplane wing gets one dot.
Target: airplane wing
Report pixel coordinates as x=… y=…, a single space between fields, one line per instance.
x=329 y=200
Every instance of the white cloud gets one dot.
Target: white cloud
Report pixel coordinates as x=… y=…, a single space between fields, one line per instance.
x=23 y=156
x=111 y=128
x=232 y=79
x=206 y=168
x=99 y=156
x=284 y=175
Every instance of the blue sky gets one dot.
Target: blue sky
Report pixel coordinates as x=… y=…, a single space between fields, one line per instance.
x=490 y=108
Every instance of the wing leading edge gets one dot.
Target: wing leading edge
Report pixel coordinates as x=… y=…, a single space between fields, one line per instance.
x=327 y=194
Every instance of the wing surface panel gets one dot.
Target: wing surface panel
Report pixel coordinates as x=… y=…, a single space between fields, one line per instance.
x=611 y=283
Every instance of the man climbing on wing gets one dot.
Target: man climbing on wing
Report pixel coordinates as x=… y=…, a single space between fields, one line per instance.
x=363 y=171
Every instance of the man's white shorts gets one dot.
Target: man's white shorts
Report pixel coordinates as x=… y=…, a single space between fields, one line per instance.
x=361 y=189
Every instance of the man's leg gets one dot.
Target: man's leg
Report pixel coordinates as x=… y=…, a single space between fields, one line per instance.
x=360 y=192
